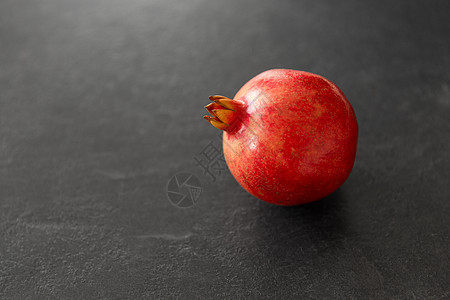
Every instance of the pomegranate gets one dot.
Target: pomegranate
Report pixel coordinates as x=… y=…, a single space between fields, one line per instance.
x=289 y=136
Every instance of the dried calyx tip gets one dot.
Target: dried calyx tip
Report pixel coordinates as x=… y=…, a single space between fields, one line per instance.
x=223 y=111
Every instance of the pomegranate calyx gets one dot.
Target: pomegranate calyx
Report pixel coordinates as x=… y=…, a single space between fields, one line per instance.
x=226 y=102
x=216 y=122
x=223 y=110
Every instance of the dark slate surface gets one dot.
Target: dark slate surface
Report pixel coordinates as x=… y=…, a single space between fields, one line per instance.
x=101 y=103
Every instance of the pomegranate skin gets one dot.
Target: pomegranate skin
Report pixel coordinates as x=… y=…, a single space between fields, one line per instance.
x=296 y=140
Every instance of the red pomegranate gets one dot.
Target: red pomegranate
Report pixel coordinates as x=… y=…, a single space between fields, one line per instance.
x=289 y=136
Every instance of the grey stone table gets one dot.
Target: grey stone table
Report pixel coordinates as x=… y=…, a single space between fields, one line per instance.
x=101 y=104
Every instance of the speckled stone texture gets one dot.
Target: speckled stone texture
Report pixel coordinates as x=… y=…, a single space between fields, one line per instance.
x=101 y=103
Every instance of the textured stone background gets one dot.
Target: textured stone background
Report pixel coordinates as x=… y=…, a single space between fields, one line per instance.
x=101 y=103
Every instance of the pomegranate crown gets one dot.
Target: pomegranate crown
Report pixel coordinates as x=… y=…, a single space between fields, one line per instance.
x=223 y=111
